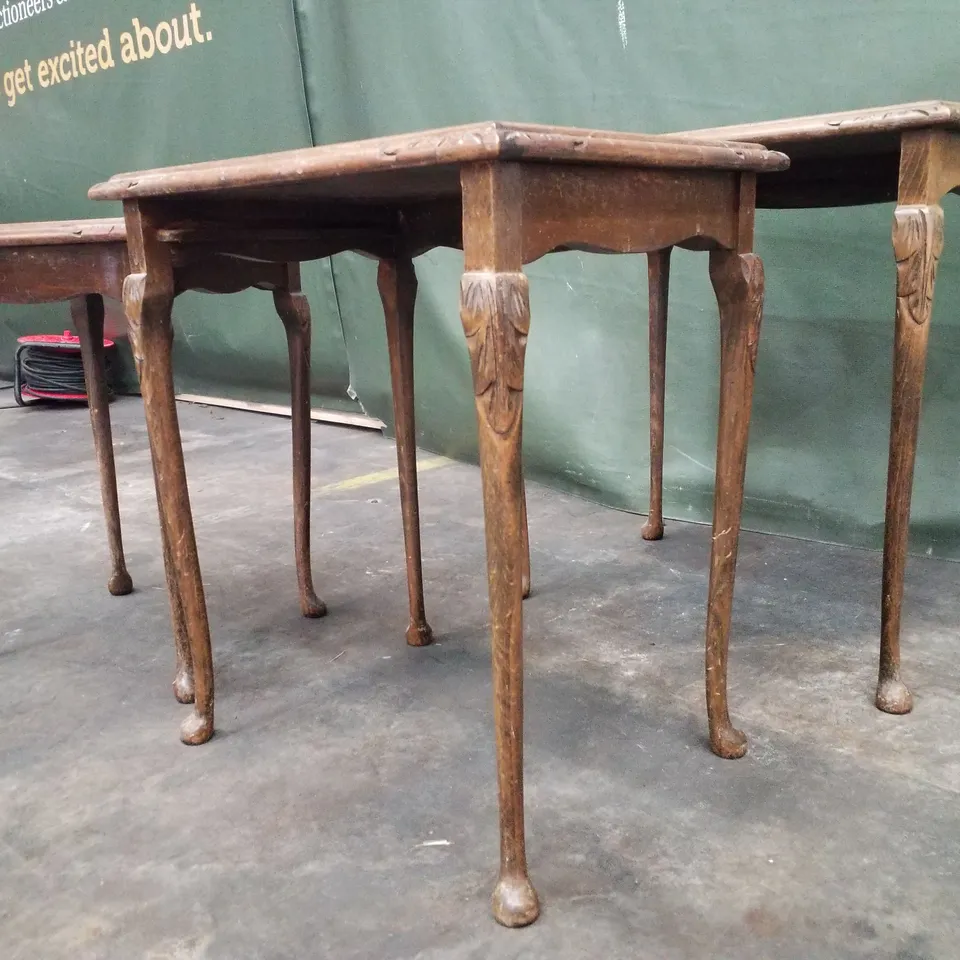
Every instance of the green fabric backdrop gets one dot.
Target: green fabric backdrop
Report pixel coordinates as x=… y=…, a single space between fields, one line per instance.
x=281 y=75
x=817 y=465
x=239 y=92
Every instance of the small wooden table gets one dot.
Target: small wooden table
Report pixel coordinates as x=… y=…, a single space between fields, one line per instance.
x=507 y=194
x=83 y=261
x=909 y=153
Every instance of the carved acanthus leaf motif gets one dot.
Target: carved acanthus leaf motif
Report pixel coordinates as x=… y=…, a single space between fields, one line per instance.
x=917 y=244
x=495 y=312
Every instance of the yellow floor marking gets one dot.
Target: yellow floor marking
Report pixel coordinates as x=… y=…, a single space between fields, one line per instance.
x=430 y=463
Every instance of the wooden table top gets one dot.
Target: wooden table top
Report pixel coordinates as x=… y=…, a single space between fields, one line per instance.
x=875 y=128
x=427 y=163
x=61 y=232
x=838 y=159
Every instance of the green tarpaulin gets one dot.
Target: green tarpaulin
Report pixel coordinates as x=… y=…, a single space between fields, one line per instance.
x=272 y=76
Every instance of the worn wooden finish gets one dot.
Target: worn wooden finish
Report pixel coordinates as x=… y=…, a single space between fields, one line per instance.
x=822 y=128
x=87 y=315
x=909 y=153
x=294 y=311
x=397 y=283
x=698 y=209
x=58 y=233
x=338 y=170
x=35 y=274
x=84 y=261
x=917 y=244
x=658 y=283
x=148 y=294
x=929 y=165
x=525 y=581
x=184 y=688
x=738 y=283
x=80 y=262
x=839 y=159
x=508 y=194
x=195 y=269
x=495 y=311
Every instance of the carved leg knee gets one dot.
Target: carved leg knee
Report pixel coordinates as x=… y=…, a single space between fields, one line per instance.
x=917 y=243
x=495 y=312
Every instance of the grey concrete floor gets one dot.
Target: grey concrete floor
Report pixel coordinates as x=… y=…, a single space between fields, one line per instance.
x=302 y=829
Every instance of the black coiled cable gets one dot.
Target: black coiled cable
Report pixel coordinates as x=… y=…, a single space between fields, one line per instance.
x=49 y=370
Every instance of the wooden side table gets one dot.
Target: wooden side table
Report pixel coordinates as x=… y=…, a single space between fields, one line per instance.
x=909 y=153
x=83 y=261
x=80 y=262
x=507 y=194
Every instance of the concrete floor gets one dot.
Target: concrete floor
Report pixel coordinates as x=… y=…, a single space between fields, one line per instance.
x=301 y=830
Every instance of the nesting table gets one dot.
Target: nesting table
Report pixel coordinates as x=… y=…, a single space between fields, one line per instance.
x=507 y=194
x=910 y=154
x=80 y=261
x=83 y=261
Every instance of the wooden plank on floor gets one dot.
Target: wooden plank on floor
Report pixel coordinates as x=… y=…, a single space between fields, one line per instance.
x=319 y=414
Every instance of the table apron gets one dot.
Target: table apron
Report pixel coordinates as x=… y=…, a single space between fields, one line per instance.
x=617 y=210
x=51 y=274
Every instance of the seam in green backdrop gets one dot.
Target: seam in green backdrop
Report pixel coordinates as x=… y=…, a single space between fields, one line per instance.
x=311 y=127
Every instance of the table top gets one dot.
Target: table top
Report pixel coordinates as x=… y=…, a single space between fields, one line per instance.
x=838 y=159
x=427 y=163
x=62 y=232
x=869 y=131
